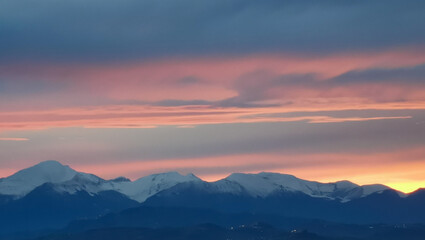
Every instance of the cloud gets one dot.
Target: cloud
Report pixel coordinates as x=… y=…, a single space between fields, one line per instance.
x=146 y=116
x=326 y=119
x=373 y=86
x=109 y=30
x=13 y=139
x=247 y=82
x=176 y=102
x=406 y=75
x=209 y=140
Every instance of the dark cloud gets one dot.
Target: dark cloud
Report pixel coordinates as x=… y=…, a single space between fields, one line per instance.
x=137 y=29
x=176 y=102
x=413 y=75
x=10 y=86
x=351 y=113
x=252 y=88
x=189 y=80
x=241 y=103
x=257 y=86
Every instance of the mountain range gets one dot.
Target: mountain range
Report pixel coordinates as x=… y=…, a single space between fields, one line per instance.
x=64 y=179
x=50 y=195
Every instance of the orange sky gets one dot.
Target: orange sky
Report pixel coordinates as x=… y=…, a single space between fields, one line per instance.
x=180 y=105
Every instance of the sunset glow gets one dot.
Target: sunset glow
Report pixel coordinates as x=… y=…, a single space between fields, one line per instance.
x=127 y=96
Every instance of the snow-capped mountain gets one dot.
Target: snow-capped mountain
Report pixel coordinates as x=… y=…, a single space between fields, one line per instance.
x=138 y=190
x=26 y=180
x=145 y=187
x=263 y=184
x=66 y=180
x=50 y=195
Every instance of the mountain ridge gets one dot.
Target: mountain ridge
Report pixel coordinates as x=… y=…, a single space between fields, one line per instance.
x=263 y=184
x=66 y=195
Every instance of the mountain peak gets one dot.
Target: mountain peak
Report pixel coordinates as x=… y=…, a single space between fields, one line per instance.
x=345 y=184
x=169 y=176
x=27 y=179
x=52 y=171
x=264 y=183
x=260 y=184
x=48 y=168
x=373 y=188
x=50 y=163
x=147 y=186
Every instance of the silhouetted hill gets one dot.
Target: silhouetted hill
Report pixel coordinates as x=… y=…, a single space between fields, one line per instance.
x=45 y=207
x=381 y=207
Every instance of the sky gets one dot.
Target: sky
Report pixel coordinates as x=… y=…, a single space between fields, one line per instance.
x=324 y=90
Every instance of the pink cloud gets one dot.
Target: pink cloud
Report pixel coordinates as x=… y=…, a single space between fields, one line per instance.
x=148 y=116
x=96 y=95
x=213 y=77
x=13 y=139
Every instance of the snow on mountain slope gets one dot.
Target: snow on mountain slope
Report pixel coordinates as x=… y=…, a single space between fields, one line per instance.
x=369 y=189
x=377 y=188
x=65 y=179
x=90 y=183
x=138 y=190
x=264 y=184
x=145 y=187
x=24 y=181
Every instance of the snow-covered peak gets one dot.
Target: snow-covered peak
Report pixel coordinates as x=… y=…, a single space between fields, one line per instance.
x=90 y=183
x=169 y=177
x=264 y=184
x=65 y=179
x=345 y=185
x=145 y=187
x=83 y=179
x=27 y=179
x=369 y=189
